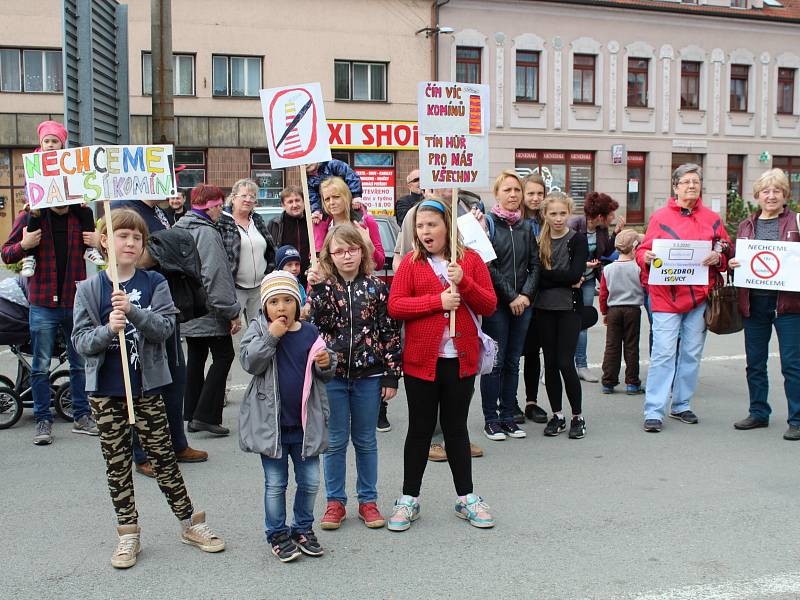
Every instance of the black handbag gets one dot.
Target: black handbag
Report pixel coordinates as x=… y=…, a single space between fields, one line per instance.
x=722 y=314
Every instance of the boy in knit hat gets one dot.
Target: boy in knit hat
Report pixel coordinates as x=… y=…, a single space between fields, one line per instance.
x=621 y=298
x=285 y=411
x=53 y=136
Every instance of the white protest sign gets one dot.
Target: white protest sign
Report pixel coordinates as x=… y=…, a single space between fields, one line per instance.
x=475 y=237
x=768 y=265
x=294 y=118
x=92 y=173
x=453 y=134
x=679 y=262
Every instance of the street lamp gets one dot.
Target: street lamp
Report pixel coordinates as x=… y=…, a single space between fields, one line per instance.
x=429 y=31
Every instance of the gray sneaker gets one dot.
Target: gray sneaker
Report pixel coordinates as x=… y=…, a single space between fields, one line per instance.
x=44 y=433
x=86 y=426
x=585 y=374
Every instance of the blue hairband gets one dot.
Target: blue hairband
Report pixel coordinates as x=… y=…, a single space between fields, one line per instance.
x=433 y=204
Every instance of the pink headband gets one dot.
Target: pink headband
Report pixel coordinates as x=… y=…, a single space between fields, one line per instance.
x=209 y=204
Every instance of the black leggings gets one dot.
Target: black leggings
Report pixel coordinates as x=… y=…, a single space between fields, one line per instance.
x=450 y=396
x=205 y=392
x=558 y=332
x=533 y=366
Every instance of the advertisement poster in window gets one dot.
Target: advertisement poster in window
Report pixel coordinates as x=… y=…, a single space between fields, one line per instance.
x=377 y=189
x=270 y=184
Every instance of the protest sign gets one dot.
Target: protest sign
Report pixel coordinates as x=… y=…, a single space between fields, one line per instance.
x=768 y=265
x=92 y=173
x=297 y=133
x=475 y=237
x=453 y=134
x=679 y=262
x=377 y=189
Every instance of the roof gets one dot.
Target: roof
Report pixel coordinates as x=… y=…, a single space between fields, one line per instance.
x=789 y=13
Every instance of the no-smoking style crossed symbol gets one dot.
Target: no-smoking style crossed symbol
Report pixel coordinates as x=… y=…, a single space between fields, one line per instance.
x=765 y=265
x=297 y=118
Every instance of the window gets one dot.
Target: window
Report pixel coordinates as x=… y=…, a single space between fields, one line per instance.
x=583 y=79
x=570 y=172
x=270 y=181
x=690 y=85
x=739 y=76
x=360 y=81
x=738 y=3
x=527 y=76
x=635 y=206
x=791 y=165
x=786 y=91
x=182 y=68
x=468 y=64
x=637 y=81
x=237 y=76
x=735 y=173
x=31 y=71
x=195 y=171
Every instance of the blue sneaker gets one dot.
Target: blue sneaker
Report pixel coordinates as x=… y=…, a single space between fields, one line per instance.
x=472 y=508
x=607 y=389
x=406 y=511
x=634 y=390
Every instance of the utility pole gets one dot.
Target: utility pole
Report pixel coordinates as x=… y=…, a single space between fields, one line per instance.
x=164 y=131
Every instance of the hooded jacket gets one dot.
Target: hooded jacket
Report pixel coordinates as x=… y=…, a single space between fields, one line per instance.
x=788 y=302
x=260 y=412
x=331 y=168
x=217 y=279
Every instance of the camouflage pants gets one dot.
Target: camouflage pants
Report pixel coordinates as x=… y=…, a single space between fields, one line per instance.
x=111 y=415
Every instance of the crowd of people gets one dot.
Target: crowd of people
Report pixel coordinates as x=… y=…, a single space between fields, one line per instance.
x=323 y=343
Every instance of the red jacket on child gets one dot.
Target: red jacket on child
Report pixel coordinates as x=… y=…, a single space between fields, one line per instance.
x=415 y=297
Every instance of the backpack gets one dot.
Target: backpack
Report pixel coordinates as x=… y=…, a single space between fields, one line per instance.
x=175 y=253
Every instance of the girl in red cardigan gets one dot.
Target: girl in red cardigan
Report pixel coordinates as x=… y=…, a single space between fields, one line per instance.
x=439 y=370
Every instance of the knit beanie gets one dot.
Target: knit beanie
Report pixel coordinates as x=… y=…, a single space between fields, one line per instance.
x=53 y=128
x=279 y=282
x=284 y=255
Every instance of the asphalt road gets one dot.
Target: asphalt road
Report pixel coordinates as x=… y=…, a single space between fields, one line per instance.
x=695 y=512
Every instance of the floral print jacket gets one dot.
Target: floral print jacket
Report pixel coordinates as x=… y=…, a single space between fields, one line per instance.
x=353 y=319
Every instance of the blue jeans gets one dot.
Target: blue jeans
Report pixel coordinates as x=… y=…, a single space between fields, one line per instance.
x=666 y=374
x=757 y=333
x=276 y=478
x=354 y=411
x=587 y=291
x=44 y=325
x=499 y=388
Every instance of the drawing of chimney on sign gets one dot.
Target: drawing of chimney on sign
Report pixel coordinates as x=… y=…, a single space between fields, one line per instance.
x=292 y=143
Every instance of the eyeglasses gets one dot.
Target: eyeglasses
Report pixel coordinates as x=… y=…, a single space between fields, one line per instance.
x=694 y=182
x=246 y=196
x=341 y=252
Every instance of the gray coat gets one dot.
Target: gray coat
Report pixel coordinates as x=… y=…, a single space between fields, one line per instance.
x=217 y=279
x=92 y=338
x=259 y=416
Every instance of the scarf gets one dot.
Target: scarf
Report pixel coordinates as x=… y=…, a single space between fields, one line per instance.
x=511 y=217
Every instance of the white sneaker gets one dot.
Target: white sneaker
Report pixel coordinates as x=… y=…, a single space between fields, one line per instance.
x=128 y=546
x=93 y=255
x=585 y=374
x=28 y=266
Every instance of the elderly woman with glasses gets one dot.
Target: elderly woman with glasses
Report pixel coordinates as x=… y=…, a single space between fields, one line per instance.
x=250 y=248
x=678 y=309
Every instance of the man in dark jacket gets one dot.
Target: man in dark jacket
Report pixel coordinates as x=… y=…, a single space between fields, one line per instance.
x=319 y=172
x=289 y=228
x=406 y=202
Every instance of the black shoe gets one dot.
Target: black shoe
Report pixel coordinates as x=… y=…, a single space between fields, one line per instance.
x=577 y=428
x=750 y=423
x=511 y=429
x=536 y=413
x=652 y=425
x=284 y=548
x=686 y=416
x=307 y=543
x=519 y=416
x=195 y=426
x=792 y=434
x=383 y=422
x=555 y=426
x=494 y=432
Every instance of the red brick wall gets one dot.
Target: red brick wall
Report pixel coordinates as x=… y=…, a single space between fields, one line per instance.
x=227 y=165
x=405 y=161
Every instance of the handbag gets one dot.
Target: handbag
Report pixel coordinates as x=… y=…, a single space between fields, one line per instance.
x=487 y=356
x=722 y=314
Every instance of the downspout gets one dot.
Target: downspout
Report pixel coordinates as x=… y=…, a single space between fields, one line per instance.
x=437 y=4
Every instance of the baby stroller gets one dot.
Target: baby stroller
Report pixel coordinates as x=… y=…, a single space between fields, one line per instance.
x=15 y=333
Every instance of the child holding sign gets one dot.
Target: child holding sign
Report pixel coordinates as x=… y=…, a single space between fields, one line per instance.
x=53 y=136
x=143 y=308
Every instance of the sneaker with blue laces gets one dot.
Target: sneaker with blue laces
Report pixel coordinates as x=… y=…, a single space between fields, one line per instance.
x=472 y=508
x=406 y=511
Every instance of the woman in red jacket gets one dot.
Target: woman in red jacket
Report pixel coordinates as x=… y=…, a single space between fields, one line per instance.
x=439 y=370
x=678 y=309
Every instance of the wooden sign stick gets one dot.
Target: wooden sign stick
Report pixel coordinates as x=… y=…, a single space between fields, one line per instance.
x=309 y=225
x=453 y=251
x=123 y=349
